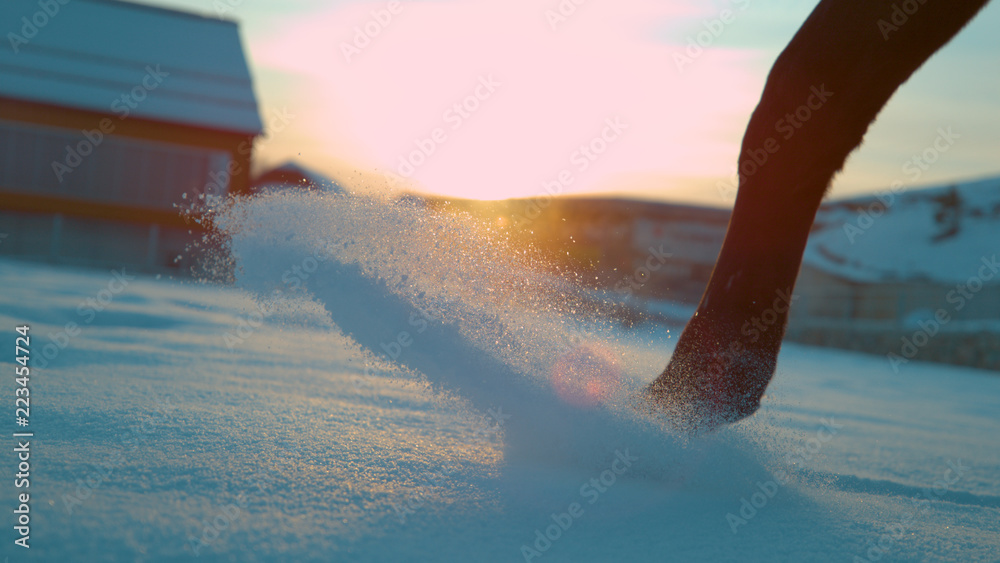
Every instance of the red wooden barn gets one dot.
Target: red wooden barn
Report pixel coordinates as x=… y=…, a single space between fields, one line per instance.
x=111 y=114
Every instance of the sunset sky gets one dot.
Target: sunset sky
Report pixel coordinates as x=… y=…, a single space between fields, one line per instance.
x=502 y=94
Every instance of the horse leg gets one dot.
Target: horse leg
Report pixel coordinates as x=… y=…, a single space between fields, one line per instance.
x=823 y=92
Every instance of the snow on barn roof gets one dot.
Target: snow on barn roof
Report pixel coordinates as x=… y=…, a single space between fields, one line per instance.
x=939 y=234
x=90 y=53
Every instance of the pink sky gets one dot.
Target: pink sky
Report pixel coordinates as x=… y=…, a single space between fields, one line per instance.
x=550 y=92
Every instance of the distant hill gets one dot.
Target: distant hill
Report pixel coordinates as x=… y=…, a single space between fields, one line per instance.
x=935 y=234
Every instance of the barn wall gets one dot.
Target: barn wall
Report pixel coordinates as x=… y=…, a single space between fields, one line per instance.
x=238 y=146
x=117 y=204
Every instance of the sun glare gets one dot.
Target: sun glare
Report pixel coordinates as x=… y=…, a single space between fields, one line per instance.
x=500 y=99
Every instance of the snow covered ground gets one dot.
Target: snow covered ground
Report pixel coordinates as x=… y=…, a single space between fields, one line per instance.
x=464 y=418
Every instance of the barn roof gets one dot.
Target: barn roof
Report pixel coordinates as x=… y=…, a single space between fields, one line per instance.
x=296 y=175
x=90 y=53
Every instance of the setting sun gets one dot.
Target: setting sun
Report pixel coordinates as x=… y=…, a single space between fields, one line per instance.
x=498 y=99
